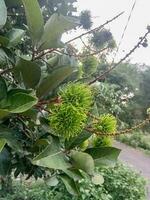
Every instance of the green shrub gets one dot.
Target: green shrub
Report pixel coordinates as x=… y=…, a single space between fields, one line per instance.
x=121 y=183
x=124 y=184
x=136 y=139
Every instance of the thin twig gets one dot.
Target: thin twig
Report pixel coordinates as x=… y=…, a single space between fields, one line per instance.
x=44 y=53
x=6 y=71
x=121 y=60
x=87 y=47
x=122 y=132
x=81 y=55
x=95 y=29
x=86 y=33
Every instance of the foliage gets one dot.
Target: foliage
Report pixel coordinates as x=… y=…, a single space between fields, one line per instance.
x=89 y=65
x=102 y=141
x=106 y=124
x=108 y=98
x=136 y=139
x=120 y=183
x=43 y=112
x=125 y=183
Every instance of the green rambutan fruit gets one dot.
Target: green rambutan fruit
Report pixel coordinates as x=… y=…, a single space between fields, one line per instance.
x=67 y=120
x=99 y=141
x=106 y=124
x=77 y=94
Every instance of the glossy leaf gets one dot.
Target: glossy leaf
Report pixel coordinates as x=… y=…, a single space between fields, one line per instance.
x=83 y=161
x=3 y=89
x=75 y=174
x=15 y=36
x=20 y=90
x=3 y=13
x=69 y=184
x=78 y=140
x=20 y=102
x=3 y=113
x=53 y=30
x=11 y=138
x=34 y=18
x=5 y=162
x=104 y=156
x=54 y=161
x=53 y=80
x=52 y=181
x=2 y=144
x=3 y=41
x=13 y=3
x=3 y=57
x=30 y=71
x=52 y=157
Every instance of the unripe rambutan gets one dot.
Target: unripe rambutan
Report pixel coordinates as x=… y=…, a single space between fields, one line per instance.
x=107 y=124
x=77 y=94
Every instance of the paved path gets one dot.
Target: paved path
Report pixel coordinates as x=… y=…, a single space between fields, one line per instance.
x=136 y=159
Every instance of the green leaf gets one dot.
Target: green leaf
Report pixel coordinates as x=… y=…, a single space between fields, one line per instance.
x=75 y=174
x=30 y=71
x=52 y=181
x=20 y=102
x=54 y=161
x=3 y=41
x=11 y=138
x=39 y=145
x=98 y=179
x=53 y=80
x=13 y=3
x=20 y=90
x=52 y=157
x=3 y=89
x=53 y=61
x=3 y=57
x=104 y=156
x=15 y=36
x=34 y=18
x=76 y=141
x=3 y=13
x=2 y=144
x=53 y=30
x=70 y=185
x=5 y=162
x=83 y=161
x=3 y=113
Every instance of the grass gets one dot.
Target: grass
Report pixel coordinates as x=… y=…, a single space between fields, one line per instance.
x=138 y=139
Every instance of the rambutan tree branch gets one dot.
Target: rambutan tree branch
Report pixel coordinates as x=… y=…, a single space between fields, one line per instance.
x=104 y=74
x=82 y=55
x=122 y=132
x=41 y=54
x=95 y=29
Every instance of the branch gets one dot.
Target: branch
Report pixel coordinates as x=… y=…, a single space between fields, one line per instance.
x=86 y=46
x=82 y=56
x=122 y=132
x=43 y=54
x=95 y=29
x=6 y=71
x=88 y=32
x=124 y=58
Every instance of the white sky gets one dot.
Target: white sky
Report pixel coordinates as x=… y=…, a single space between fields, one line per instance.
x=103 y=10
